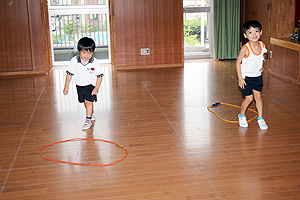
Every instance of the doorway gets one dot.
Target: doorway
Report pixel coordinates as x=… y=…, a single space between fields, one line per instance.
x=198 y=29
x=71 y=20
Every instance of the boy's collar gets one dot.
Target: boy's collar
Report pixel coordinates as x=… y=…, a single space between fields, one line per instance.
x=79 y=59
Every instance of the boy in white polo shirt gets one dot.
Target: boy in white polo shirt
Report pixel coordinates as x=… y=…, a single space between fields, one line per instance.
x=87 y=73
x=249 y=67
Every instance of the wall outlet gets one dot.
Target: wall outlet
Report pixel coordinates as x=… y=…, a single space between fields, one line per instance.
x=145 y=51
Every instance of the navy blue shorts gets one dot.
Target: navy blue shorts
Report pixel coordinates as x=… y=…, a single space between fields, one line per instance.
x=253 y=83
x=85 y=93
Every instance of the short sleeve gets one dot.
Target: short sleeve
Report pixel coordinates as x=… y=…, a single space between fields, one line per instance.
x=71 y=67
x=99 y=72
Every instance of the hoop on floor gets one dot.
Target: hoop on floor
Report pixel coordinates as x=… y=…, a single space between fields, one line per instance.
x=74 y=163
x=227 y=104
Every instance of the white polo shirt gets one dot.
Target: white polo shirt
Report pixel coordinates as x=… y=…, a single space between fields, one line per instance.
x=84 y=74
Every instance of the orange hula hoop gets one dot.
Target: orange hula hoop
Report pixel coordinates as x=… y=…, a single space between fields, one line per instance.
x=74 y=163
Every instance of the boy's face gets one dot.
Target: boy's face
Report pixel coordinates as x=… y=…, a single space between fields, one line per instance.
x=253 y=34
x=85 y=55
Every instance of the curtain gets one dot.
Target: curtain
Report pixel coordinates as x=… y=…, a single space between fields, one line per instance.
x=226 y=29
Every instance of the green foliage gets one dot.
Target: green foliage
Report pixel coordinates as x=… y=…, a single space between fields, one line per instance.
x=70 y=26
x=56 y=39
x=192 y=31
x=189 y=38
x=89 y=28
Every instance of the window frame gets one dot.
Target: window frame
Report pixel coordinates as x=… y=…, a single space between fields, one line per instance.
x=79 y=9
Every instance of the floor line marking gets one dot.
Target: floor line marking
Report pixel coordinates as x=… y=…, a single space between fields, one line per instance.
x=163 y=113
x=209 y=181
x=20 y=144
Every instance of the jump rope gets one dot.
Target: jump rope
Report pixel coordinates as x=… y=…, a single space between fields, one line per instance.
x=227 y=104
x=74 y=163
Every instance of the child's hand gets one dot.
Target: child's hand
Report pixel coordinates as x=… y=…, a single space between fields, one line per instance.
x=66 y=91
x=95 y=91
x=242 y=83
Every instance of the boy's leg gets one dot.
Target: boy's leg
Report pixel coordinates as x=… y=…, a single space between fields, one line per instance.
x=89 y=108
x=242 y=118
x=259 y=105
x=245 y=104
x=84 y=96
x=88 y=100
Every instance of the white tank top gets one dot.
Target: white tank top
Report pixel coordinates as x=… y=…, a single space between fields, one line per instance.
x=252 y=64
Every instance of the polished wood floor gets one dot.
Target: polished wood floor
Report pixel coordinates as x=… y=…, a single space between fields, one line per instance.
x=177 y=150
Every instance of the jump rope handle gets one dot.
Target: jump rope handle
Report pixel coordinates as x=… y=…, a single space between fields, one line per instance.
x=216 y=104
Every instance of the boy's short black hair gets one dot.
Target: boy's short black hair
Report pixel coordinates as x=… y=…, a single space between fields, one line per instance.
x=252 y=23
x=87 y=44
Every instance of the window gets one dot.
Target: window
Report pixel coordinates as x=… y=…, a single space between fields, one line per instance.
x=198 y=33
x=71 y=20
x=76 y=2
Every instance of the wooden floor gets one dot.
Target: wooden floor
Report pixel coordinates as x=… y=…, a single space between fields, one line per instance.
x=177 y=149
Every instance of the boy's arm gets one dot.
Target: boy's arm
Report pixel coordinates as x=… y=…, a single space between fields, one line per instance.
x=98 y=83
x=265 y=58
x=67 y=83
x=241 y=81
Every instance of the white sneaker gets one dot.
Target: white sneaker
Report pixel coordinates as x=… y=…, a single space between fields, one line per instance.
x=262 y=124
x=243 y=122
x=87 y=124
x=93 y=117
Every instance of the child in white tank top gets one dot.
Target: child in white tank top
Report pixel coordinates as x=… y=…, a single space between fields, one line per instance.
x=249 y=66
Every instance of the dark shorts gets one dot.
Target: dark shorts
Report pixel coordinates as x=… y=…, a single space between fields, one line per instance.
x=253 y=83
x=85 y=93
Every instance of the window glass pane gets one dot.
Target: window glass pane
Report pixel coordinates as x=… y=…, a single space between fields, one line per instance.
x=195 y=34
x=76 y=2
x=68 y=29
x=192 y=3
